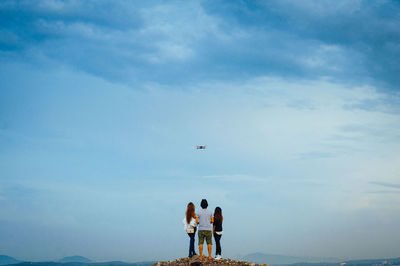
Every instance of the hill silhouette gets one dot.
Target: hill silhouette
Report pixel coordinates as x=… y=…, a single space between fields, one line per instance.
x=75 y=258
x=6 y=260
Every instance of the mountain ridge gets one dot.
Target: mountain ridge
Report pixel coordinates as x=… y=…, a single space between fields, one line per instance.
x=75 y=258
x=7 y=260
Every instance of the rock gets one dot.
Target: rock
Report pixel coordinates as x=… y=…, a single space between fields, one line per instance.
x=197 y=261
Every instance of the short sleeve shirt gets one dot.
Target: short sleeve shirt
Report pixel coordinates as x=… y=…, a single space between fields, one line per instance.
x=204 y=219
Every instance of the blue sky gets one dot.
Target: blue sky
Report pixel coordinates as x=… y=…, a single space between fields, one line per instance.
x=102 y=104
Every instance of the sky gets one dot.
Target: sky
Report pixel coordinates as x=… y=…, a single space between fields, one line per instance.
x=103 y=102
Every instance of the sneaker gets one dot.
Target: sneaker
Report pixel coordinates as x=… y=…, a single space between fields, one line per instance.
x=219 y=257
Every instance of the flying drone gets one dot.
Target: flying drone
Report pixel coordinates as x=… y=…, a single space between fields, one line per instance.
x=201 y=147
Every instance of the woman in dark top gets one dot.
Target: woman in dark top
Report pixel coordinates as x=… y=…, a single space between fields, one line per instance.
x=217 y=229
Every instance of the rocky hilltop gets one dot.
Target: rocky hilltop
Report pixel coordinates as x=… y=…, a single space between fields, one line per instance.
x=196 y=260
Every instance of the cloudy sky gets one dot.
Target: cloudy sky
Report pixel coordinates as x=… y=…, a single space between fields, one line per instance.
x=103 y=102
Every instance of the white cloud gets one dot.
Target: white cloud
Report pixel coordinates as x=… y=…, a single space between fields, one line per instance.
x=235 y=177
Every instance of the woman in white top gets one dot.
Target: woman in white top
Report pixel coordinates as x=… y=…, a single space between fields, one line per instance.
x=190 y=226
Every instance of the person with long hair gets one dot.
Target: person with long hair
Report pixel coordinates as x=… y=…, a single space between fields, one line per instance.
x=190 y=226
x=217 y=230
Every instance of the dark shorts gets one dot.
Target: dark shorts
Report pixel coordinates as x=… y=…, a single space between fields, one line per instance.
x=205 y=234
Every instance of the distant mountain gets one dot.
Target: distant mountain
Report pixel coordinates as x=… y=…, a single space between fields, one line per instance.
x=75 y=259
x=282 y=259
x=4 y=260
x=109 y=263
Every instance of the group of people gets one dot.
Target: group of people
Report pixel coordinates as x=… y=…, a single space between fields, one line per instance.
x=208 y=224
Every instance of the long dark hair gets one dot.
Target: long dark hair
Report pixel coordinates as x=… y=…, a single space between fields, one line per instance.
x=190 y=212
x=218 y=215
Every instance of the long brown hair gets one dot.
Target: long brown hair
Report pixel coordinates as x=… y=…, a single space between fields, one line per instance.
x=218 y=215
x=190 y=212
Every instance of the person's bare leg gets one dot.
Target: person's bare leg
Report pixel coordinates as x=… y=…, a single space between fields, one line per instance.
x=209 y=251
x=201 y=250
